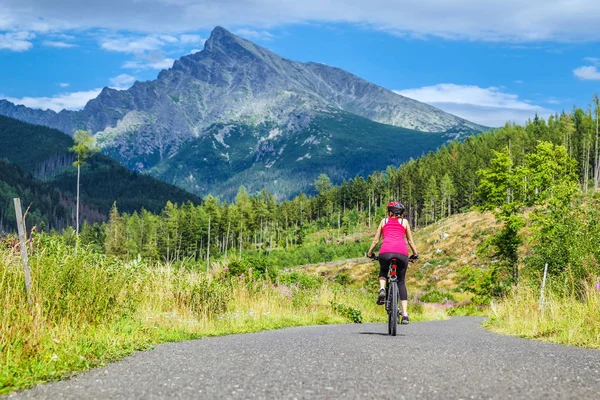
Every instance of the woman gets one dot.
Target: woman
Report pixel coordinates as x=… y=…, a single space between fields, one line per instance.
x=396 y=234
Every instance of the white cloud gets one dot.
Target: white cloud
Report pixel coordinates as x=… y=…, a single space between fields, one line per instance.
x=592 y=60
x=191 y=39
x=122 y=81
x=589 y=73
x=553 y=101
x=168 y=39
x=132 y=45
x=255 y=35
x=16 y=41
x=164 y=63
x=62 y=101
x=62 y=36
x=487 y=106
x=489 y=20
x=58 y=44
x=194 y=51
x=141 y=45
x=63 y=85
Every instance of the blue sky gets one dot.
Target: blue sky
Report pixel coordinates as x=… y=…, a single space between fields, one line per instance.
x=486 y=60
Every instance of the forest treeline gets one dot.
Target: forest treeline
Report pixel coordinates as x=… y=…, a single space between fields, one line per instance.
x=433 y=186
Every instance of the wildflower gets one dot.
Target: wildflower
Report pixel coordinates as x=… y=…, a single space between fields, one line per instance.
x=54 y=357
x=226 y=269
x=597 y=287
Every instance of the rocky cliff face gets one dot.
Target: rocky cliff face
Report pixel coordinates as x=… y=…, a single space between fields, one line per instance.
x=233 y=81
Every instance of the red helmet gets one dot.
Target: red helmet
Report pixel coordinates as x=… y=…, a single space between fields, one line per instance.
x=396 y=207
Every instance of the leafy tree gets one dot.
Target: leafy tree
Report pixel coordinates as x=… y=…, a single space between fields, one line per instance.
x=497 y=192
x=323 y=183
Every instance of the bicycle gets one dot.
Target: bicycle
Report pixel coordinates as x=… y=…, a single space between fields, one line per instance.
x=391 y=302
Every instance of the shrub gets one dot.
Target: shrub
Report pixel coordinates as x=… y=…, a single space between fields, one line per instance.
x=237 y=267
x=436 y=296
x=343 y=279
x=302 y=281
x=353 y=314
x=483 y=283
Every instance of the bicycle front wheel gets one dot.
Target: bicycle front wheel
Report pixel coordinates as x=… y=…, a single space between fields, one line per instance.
x=393 y=316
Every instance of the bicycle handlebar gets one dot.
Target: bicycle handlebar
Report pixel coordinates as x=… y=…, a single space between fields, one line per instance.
x=411 y=259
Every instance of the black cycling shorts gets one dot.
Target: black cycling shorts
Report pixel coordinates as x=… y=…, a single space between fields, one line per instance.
x=401 y=266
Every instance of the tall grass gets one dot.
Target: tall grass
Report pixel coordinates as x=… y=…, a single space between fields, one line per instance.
x=563 y=319
x=90 y=309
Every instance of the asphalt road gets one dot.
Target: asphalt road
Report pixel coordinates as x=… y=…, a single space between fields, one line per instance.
x=430 y=360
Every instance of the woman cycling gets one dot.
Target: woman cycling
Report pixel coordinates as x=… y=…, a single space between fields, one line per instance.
x=396 y=234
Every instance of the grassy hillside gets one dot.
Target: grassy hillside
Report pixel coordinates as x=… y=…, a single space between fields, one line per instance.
x=445 y=247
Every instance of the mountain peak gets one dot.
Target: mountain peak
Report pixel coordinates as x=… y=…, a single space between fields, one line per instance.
x=221 y=38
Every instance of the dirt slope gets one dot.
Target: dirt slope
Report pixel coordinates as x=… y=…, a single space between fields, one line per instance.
x=444 y=247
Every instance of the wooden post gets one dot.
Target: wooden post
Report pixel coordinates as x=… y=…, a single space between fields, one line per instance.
x=543 y=286
x=21 y=230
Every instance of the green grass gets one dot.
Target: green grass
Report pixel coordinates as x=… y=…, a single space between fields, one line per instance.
x=562 y=319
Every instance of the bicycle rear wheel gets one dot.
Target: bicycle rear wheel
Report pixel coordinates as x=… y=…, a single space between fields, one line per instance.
x=393 y=315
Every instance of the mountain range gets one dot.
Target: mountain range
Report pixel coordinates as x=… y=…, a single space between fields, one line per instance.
x=236 y=113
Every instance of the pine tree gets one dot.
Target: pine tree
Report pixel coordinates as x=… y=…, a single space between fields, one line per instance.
x=447 y=192
x=114 y=244
x=430 y=200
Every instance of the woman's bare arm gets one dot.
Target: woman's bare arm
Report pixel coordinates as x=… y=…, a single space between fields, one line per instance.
x=410 y=241
x=376 y=240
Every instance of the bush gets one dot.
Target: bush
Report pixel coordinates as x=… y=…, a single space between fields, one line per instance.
x=436 y=296
x=302 y=281
x=353 y=314
x=483 y=283
x=343 y=279
x=237 y=267
x=260 y=265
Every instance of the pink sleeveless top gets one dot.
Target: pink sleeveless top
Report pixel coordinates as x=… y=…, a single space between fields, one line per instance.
x=394 y=237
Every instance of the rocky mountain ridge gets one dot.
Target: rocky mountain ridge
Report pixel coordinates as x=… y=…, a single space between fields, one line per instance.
x=235 y=82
